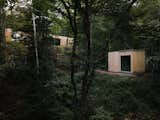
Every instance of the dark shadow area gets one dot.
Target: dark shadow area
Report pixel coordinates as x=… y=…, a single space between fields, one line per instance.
x=126 y=63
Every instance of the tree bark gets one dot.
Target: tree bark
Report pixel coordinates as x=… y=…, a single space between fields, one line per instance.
x=35 y=44
x=2 y=34
x=86 y=80
x=73 y=24
x=2 y=30
x=80 y=103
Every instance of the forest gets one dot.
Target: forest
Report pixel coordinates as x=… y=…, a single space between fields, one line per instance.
x=54 y=59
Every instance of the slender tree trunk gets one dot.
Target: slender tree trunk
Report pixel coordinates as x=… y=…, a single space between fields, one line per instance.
x=2 y=30
x=86 y=80
x=80 y=105
x=2 y=35
x=75 y=31
x=35 y=43
x=73 y=24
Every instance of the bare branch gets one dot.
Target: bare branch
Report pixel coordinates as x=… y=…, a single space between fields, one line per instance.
x=131 y=4
x=69 y=14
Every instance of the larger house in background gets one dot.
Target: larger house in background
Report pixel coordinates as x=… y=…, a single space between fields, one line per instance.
x=16 y=35
x=63 y=41
x=8 y=34
x=129 y=61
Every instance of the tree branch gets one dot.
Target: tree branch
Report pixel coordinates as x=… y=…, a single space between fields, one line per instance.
x=131 y=4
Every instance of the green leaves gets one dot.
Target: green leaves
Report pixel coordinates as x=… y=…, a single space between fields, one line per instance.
x=122 y=97
x=102 y=114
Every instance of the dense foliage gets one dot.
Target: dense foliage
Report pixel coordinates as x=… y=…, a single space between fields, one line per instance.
x=37 y=84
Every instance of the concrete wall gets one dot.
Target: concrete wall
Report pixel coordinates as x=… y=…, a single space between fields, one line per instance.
x=114 y=62
x=64 y=41
x=137 y=60
x=8 y=34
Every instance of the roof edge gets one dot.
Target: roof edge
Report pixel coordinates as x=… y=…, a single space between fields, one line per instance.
x=130 y=50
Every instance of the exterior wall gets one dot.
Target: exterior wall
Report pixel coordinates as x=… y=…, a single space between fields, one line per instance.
x=114 y=62
x=8 y=34
x=64 y=41
x=137 y=61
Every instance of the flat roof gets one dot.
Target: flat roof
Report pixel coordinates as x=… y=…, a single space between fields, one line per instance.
x=129 y=50
x=62 y=37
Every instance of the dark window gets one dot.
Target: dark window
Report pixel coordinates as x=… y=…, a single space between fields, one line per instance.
x=57 y=42
x=54 y=41
x=126 y=63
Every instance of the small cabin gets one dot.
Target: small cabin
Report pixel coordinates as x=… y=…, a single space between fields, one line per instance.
x=63 y=41
x=128 y=61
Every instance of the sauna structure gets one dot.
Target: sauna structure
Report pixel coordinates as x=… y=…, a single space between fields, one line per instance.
x=128 y=61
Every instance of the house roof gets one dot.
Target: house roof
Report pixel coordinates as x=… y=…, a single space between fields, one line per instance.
x=130 y=50
x=62 y=37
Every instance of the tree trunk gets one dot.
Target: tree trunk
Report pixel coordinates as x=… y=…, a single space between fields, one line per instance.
x=2 y=35
x=86 y=80
x=75 y=31
x=35 y=44
x=80 y=105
